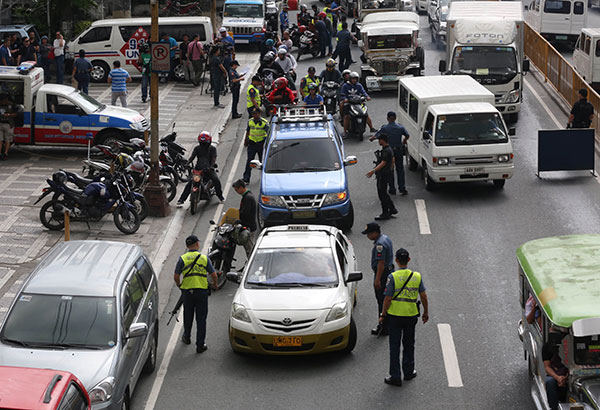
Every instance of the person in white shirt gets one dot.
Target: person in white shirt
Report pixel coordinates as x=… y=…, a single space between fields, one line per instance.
x=59 y=57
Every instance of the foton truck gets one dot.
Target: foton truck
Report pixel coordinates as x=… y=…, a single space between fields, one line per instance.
x=61 y=115
x=485 y=41
x=457 y=135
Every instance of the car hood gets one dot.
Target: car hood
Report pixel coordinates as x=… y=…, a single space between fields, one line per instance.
x=122 y=113
x=303 y=183
x=90 y=366
x=289 y=299
x=241 y=21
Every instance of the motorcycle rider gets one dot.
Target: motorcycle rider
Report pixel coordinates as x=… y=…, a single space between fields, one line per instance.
x=206 y=155
x=307 y=80
x=331 y=73
x=268 y=62
x=313 y=98
x=281 y=93
x=268 y=45
x=345 y=79
x=285 y=63
x=303 y=17
x=353 y=87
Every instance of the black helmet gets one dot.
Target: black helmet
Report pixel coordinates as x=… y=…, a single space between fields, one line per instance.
x=60 y=177
x=269 y=57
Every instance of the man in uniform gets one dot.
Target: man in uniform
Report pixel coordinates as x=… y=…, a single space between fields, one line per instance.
x=234 y=82
x=253 y=95
x=401 y=312
x=384 y=172
x=307 y=80
x=256 y=133
x=247 y=215
x=582 y=112
x=194 y=267
x=395 y=133
x=382 y=263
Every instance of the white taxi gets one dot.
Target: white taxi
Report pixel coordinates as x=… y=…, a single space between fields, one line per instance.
x=297 y=293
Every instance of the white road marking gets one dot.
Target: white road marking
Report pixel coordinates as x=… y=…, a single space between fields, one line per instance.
x=6 y=277
x=422 y=217
x=161 y=96
x=104 y=94
x=543 y=104
x=449 y=354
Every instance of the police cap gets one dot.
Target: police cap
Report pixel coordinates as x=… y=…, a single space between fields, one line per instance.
x=402 y=254
x=371 y=227
x=192 y=239
x=383 y=136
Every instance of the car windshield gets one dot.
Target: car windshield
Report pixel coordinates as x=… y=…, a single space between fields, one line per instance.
x=391 y=41
x=379 y=4
x=89 y=104
x=470 y=129
x=61 y=321
x=484 y=60
x=587 y=350
x=302 y=155
x=292 y=267
x=243 y=10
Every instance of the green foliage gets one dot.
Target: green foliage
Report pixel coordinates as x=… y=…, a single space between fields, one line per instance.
x=75 y=11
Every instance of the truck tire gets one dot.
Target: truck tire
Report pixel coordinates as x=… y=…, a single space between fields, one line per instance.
x=430 y=185
x=348 y=221
x=99 y=72
x=499 y=183
x=421 y=59
x=412 y=164
x=513 y=118
x=109 y=138
x=179 y=71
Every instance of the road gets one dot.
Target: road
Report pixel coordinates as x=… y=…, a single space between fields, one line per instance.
x=469 y=268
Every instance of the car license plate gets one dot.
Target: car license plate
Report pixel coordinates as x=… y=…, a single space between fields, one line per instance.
x=283 y=341
x=561 y=37
x=473 y=170
x=388 y=78
x=304 y=214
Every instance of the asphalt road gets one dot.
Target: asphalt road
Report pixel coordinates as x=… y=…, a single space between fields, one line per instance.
x=469 y=268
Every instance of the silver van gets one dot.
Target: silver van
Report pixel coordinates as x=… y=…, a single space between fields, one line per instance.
x=90 y=308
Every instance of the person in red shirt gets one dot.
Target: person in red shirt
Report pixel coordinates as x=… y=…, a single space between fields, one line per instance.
x=281 y=94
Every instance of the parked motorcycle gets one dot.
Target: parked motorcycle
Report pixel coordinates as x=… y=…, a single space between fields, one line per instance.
x=329 y=92
x=177 y=154
x=176 y=8
x=202 y=188
x=294 y=35
x=358 y=116
x=309 y=44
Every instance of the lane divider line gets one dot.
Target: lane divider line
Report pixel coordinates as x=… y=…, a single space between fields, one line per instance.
x=449 y=354
x=543 y=104
x=424 y=227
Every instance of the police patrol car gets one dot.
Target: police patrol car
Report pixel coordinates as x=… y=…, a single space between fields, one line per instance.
x=56 y=114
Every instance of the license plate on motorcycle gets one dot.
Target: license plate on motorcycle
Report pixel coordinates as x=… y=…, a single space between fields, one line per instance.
x=304 y=214
x=561 y=37
x=477 y=170
x=389 y=78
x=286 y=341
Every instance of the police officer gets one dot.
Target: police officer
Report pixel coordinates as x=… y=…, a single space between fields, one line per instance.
x=194 y=267
x=582 y=112
x=401 y=312
x=256 y=133
x=253 y=95
x=234 y=83
x=384 y=171
x=382 y=263
x=307 y=80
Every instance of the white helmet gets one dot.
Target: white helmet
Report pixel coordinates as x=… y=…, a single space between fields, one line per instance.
x=354 y=74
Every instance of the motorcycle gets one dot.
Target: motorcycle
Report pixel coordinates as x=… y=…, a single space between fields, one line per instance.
x=202 y=188
x=90 y=204
x=176 y=8
x=358 y=115
x=329 y=92
x=295 y=35
x=177 y=153
x=309 y=44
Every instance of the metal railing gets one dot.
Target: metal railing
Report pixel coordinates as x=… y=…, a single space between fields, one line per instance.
x=558 y=71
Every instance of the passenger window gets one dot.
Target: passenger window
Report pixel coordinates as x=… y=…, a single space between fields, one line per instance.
x=403 y=98
x=429 y=123
x=341 y=256
x=579 y=43
x=557 y=7
x=597 y=52
x=537 y=5
x=60 y=105
x=588 y=43
x=413 y=109
x=179 y=30
x=128 y=31
x=127 y=313
x=145 y=272
x=136 y=291
x=578 y=7
x=73 y=400
x=95 y=35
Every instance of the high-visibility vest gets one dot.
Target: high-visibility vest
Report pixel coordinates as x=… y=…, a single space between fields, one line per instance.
x=405 y=304
x=308 y=80
x=249 y=102
x=258 y=130
x=328 y=12
x=194 y=274
x=339 y=26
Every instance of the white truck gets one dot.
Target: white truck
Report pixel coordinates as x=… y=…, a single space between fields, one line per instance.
x=245 y=19
x=586 y=56
x=456 y=133
x=485 y=40
x=558 y=21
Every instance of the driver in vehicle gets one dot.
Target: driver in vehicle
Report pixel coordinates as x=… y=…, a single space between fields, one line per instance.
x=557 y=374
x=205 y=155
x=350 y=89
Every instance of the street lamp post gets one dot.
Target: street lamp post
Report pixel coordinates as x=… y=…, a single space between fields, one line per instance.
x=154 y=192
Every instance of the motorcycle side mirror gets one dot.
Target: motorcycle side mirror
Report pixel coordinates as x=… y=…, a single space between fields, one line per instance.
x=426 y=135
x=212 y=222
x=512 y=131
x=350 y=160
x=442 y=66
x=233 y=277
x=525 y=66
x=255 y=164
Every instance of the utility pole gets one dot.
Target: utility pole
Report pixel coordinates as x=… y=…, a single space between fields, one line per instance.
x=155 y=194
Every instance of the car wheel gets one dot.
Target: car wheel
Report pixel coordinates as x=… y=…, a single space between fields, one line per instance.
x=499 y=183
x=348 y=221
x=352 y=336
x=179 y=72
x=99 y=73
x=412 y=164
x=126 y=405
x=150 y=364
x=429 y=184
x=110 y=139
x=355 y=301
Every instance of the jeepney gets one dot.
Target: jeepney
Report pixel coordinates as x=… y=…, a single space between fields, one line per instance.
x=562 y=275
x=366 y=7
x=390 y=46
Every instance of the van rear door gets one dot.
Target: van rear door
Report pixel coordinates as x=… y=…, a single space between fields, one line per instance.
x=556 y=18
x=582 y=57
x=578 y=16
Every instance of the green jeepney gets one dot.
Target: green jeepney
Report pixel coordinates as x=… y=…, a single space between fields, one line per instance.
x=562 y=276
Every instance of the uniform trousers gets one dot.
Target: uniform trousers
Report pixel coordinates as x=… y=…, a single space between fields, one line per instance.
x=254 y=148
x=383 y=180
x=380 y=296
x=402 y=332
x=195 y=303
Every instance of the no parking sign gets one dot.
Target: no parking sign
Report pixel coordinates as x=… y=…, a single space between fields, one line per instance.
x=161 y=57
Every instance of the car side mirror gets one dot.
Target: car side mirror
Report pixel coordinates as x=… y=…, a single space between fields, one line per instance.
x=525 y=66
x=137 y=330
x=350 y=160
x=426 y=135
x=256 y=164
x=512 y=131
x=442 y=66
x=233 y=277
x=212 y=222
x=354 y=277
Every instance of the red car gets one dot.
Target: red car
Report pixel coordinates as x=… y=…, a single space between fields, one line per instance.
x=24 y=388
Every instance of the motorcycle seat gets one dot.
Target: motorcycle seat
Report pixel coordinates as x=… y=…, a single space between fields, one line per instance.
x=78 y=180
x=77 y=193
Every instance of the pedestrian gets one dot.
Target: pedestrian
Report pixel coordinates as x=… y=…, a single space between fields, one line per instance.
x=284 y=19
x=256 y=133
x=253 y=100
x=15 y=47
x=582 y=112
x=342 y=49
x=247 y=214
x=184 y=58
x=81 y=71
x=27 y=52
x=173 y=47
x=323 y=34
x=195 y=268
x=45 y=48
x=145 y=62
x=218 y=74
x=382 y=264
x=308 y=79
x=33 y=40
x=6 y=57
x=329 y=27
x=397 y=136
x=59 y=57
x=235 y=80
x=384 y=172
x=196 y=57
x=315 y=10
x=401 y=312
x=118 y=79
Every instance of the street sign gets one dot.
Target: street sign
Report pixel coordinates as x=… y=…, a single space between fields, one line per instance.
x=161 y=61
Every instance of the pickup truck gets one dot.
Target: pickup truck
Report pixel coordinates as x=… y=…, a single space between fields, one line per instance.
x=56 y=114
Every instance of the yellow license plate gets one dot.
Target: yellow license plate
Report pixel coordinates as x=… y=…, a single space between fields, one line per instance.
x=304 y=214
x=283 y=341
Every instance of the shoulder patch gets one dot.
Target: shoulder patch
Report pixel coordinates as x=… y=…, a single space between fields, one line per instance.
x=379 y=248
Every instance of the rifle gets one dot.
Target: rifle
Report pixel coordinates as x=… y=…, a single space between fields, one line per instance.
x=175 y=310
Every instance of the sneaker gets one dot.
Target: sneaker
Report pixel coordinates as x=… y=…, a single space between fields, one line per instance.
x=3 y=157
x=221 y=198
x=405 y=192
x=179 y=204
x=236 y=116
x=201 y=349
x=143 y=100
x=185 y=339
x=383 y=217
x=246 y=181
x=411 y=376
x=373 y=130
x=391 y=381
x=220 y=106
x=394 y=211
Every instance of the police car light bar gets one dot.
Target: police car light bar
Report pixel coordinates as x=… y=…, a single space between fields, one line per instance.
x=292 y=113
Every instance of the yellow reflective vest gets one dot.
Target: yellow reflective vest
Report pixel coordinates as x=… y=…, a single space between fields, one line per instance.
x=405 y=304
x=194 y=274
x=249 y=102
x=308 y=81
x=258 y=130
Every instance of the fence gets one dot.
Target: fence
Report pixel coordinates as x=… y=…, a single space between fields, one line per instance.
x=558 y=71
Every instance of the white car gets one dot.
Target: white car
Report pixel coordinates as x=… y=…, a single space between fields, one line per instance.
x=297 y=293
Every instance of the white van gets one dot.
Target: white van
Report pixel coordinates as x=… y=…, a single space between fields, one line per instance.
x=117 y=39
x=456 y=133
x=558 y=21
x=586 y=56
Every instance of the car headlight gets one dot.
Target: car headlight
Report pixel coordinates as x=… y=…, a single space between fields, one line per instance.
x=504 y=158
x=513 y=96
x=442 y=161
x=136 y=126
x=239 y=312
x=335 y=198
x=272 y=200
x=257 y=29
x=338 y=311
x=103 y=391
